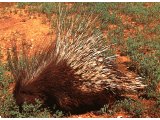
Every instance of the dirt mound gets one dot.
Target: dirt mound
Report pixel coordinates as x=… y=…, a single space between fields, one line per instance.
x=31 y=28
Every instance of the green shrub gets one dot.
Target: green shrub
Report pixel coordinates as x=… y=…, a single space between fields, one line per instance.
x=134 y=108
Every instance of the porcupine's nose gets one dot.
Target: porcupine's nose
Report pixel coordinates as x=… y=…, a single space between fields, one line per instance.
x=19 y=101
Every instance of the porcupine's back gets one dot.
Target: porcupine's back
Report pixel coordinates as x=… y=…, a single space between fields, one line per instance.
x=73 y=71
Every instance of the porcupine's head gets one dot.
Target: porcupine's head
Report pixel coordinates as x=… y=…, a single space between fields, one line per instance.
x=25 y=93
x=24 y=69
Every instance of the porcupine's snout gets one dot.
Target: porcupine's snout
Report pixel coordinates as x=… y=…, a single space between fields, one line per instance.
x=25 y=97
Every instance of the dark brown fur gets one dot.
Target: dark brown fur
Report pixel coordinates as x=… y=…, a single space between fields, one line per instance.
x=55 y=86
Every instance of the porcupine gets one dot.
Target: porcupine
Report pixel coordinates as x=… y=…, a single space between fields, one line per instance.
x=72 y=71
